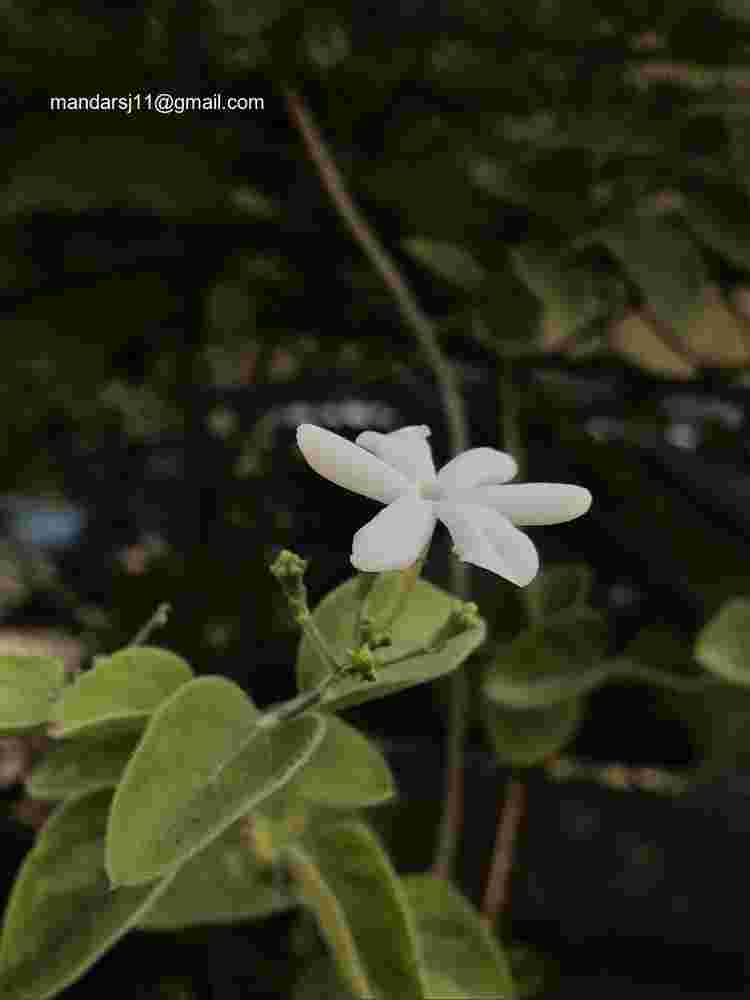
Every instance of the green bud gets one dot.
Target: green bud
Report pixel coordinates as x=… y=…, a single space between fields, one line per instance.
x=362 y=663
x=463 y=617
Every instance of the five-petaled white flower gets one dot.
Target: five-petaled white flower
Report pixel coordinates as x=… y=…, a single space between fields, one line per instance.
x=469 y=495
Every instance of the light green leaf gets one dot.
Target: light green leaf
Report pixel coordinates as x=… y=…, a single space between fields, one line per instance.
x=427 y=610
x=28 y=687
x=207 y=757
x=124 y=688
x=385 y=595
x=92 y=759
x=526 y=737
x=665 y=263
x=223 y=883
x=347 y=880
x=347 y=771
x=446 y=260
x=458 y=949
x=62 y=914
x=723 y=645
x=550 y=663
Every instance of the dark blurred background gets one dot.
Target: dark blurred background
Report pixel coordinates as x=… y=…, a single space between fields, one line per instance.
x=566 y=189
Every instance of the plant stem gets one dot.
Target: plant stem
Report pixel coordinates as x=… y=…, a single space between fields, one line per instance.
x=455 y=412
x=498 y=882
x=157 y=620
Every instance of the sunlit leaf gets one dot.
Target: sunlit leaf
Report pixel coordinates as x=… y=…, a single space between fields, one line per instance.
x=346 y=771
x=92 y=759
x=62 y=914
x=125 y=687
x=345 y=877
x=428 y=608
x=28 y=688
x=206 y=758
x=458 y=950
x=223 y=883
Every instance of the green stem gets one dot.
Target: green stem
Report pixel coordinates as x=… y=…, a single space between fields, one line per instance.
x=455 y=412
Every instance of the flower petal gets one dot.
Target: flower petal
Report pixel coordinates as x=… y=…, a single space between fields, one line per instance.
x=406 y=449
x=530 y=503
x=395 y=537
x=476 y=466
x=347 y=465
x=485 y=538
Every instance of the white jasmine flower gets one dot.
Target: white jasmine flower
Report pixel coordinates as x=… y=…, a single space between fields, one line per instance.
x=469 y=495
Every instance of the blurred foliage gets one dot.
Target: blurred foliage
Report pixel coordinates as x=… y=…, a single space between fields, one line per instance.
x=561 y=184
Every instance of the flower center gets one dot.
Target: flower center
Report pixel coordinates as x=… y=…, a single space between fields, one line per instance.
x=429 y=490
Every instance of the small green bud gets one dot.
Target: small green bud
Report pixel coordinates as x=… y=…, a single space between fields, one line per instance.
x=463 y=617
x=288 y=566
x=362 y=663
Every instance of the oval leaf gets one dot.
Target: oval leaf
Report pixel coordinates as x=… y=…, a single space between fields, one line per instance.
x=81 y=764
x=206 y=758
x=349 y=883
x=224 y=883
x=124 y=687
x=347 y=771
x=28 y=688
x=458 y=949
x=664 y=262
x=723 y=645
x=386 y=594
x=448 y=261
x=62 y=914
x=427 y=610
x=526 y=737
x=560 y=589
x=551 y=663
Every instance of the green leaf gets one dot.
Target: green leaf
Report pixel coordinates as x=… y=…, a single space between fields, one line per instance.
x=92 y=759
x=550 y=663
x=559 y=590
x=720 y=221
x=565 y=292
x=664 y=262
x=62 y=914
x=124 y=688
x=207 y=757
x=385 y=595
x=427 y=610
x=347 y=771
x=526 y=737
x=28 y=687
x=460 y=953
x=222 y=884
x=362 y=911
x=723 y=645
x=448 y=261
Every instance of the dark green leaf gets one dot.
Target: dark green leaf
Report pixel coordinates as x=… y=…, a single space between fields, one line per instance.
x=526 y=737
x=723 y=645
